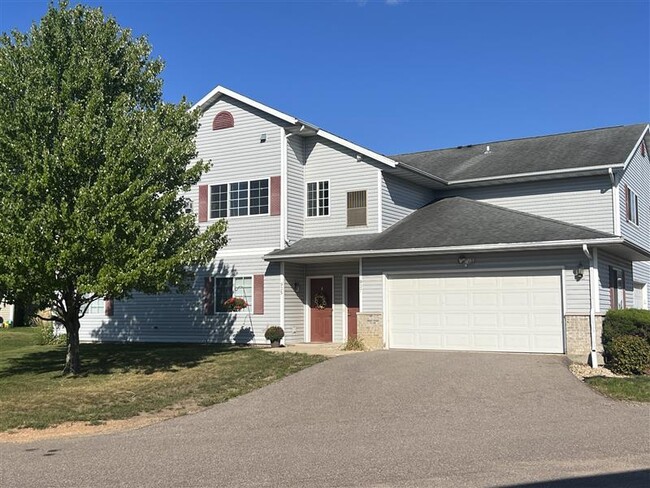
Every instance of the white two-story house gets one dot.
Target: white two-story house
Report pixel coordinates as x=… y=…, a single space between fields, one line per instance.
x=518 y=245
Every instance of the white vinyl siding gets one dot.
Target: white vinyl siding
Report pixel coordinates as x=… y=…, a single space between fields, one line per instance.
x=637 y=178
x=237 y=155
x=295 y=188
x=174 y=317
x=339 y=166
x=583 y=201
x=576 y=296
x=294 y=302
x=517 y=311
x=400 y=198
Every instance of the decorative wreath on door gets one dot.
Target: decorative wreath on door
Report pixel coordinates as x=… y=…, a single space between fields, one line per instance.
x=320 y=300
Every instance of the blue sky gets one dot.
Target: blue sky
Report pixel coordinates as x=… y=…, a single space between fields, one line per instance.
x=402 y=76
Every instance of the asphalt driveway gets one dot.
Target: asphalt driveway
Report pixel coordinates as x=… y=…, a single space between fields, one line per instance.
x=386 y=418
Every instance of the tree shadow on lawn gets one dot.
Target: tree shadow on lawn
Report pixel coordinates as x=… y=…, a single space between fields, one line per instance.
x=119 y=358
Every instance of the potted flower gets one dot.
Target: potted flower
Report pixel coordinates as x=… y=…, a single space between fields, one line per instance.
x=275 y=335
x=235 y=304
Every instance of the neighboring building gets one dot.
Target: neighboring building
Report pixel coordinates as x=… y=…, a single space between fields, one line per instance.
x=6 y=312
x=517 y=245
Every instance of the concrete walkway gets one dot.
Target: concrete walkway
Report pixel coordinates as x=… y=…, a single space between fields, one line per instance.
x=328 y=349
x=384 y=418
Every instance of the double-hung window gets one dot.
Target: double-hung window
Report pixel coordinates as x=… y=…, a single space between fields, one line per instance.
x=318 y=198
x=259 y=197
x=218 y=201
x=239 y=199
x=96 y=307
x=238 y=286
x=632 y=204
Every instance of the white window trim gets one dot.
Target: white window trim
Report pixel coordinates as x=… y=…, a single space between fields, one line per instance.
x=632 y=199
x=329 y=199
x=228 y=183
x=233 y=278
x=102 y=310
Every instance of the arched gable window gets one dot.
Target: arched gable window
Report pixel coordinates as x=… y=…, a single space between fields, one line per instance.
x=223 y=120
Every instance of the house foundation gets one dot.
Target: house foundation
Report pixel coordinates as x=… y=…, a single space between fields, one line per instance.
x=578 y=337
x=370 y=329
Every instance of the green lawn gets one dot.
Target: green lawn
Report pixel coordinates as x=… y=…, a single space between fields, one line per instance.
x=636 y=388
x=123 y=380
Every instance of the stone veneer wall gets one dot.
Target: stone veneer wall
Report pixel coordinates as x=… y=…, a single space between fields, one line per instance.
x=578 y=337
x=370 y=329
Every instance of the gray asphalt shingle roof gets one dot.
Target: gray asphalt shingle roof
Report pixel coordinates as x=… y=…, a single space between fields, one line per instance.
x=450 y=222
x=590 y=148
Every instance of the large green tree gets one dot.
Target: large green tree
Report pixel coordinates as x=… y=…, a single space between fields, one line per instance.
x=93 y=168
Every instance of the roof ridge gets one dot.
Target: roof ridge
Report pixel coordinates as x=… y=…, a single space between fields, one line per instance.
x=518 y=139
x=526 y=214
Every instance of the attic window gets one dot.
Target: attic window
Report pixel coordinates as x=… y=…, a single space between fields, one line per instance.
x=223 y=120
x=644 y=149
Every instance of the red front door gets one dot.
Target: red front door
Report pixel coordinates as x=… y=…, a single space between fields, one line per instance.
x=321 y=309
x=352 y=301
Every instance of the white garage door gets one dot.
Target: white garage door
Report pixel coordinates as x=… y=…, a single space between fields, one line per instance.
x=516 y=312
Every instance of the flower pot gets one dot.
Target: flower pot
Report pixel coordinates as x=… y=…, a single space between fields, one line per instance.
x=275 y=344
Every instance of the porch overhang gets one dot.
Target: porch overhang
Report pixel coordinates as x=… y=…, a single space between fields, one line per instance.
x=616 y=246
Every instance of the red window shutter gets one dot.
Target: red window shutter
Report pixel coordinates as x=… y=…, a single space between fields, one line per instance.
x=208 y=295
x=628 y=209
x=276 y=195
x=258 y=294
x=203 y=203
x=108 y=307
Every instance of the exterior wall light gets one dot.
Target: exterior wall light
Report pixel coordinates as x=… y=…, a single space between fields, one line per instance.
x=579 y=272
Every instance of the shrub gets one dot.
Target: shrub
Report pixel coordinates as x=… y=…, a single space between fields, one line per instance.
x=627 y=321
x=47 y=335
x=354 y=344
x=628 y=354
x=274 y=333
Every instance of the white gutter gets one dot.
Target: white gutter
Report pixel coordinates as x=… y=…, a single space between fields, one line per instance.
x=592 y=310
x=536 y=173
x=424 y=174
x=479 y=248
x=616 y=202
x=636 y=146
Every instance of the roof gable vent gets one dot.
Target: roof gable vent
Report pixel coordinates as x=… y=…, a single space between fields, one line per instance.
x=223 y=120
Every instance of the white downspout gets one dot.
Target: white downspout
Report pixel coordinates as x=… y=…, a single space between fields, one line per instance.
x=592 y=307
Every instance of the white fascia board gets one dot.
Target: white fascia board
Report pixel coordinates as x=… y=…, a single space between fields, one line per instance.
x=636 y=147
x=355 y=147
x=422 y=173
x=220 y=90
x=478 y=248
x=537 y=173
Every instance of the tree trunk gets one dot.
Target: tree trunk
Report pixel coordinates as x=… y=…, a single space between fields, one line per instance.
x=72 y=358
